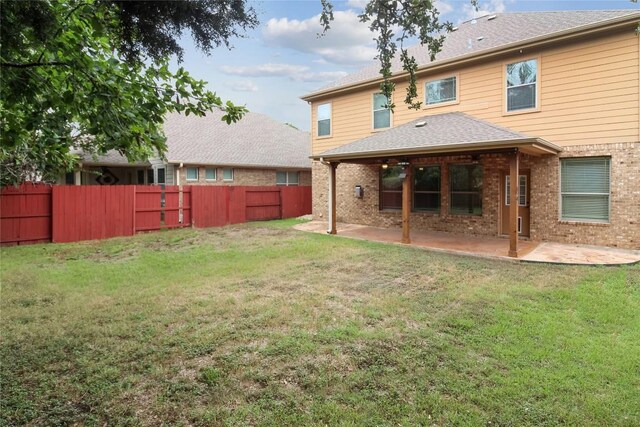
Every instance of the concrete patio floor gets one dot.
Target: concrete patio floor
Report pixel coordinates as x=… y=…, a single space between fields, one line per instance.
x=485 y=246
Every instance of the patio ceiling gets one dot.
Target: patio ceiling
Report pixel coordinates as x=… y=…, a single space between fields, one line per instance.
x=439 y=134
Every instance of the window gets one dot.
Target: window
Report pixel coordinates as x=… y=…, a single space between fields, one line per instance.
x=210 y=174
x=439 y=91
x=466 y=189
x=140 y=177
x=160 y=175
x=381 y=113
x=522 y=78
x=227 y=174
x=522 y=191
x=70 y=178
x=149 y=176
x=426 y=188
x=324 y=119
x=192 y=174
x=585 y=189
x=391 y=187
x=287 y=178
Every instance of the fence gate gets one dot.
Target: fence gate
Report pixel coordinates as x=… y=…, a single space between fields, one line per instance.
x=160 y=207
x=263 y=203
x=25 y=214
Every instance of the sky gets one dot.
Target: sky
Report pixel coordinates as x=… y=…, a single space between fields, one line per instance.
x=283 y=58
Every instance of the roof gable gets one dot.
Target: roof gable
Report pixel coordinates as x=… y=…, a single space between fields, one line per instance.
x=489 y=33
x=440 y=131
x=254 y=141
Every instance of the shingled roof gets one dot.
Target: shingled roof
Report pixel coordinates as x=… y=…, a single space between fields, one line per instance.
x=111 y=158
x=446 y=132
x=490 y=33
x=255 y=141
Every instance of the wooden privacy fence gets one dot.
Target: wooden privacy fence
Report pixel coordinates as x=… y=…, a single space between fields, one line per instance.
x=41 y=213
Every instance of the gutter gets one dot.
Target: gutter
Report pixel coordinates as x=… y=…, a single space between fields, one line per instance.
x=237 y=165
x=441 y=149
x=460 y=60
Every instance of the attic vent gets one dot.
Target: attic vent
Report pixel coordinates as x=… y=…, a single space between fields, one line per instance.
x=420 y=124
x=454 y=29
x=491 y=17
x=480 y=38
x=474 y=21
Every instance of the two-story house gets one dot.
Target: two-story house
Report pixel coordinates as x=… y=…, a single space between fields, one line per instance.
x=530 y=128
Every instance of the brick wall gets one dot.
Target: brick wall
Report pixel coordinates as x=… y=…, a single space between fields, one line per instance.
x=622 y=231
x=241 y=176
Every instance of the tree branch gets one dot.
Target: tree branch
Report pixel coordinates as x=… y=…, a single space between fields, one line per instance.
x=33 y=64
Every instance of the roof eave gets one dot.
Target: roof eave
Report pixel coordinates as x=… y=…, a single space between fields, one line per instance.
x=527 y=43
x=537 y=144
x=238 y=165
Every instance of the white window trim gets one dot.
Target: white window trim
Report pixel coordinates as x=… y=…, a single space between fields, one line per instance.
x=444 y=103
x=330 y=121
x=373 y=112
x=215 y=174
x=560 y=194
x=287 y=183
x=506 y=87
x=186 y=174
x=232 y=174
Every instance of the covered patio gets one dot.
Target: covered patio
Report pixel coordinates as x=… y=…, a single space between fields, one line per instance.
x=444 y=136
x=486 y=247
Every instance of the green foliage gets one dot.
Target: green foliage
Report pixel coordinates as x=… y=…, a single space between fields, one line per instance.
x=394 y=22
x=74 y=77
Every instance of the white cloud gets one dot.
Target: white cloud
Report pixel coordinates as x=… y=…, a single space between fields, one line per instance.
x=264 y=70
x=348 y=42
x=484 y=8
x=357 y=4
x=443 y=7
x=242 y=86
x=298 y=73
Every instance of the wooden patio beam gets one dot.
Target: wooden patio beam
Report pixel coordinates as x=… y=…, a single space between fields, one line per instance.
x=514 y=172
x=332 y=198
x=406 y=204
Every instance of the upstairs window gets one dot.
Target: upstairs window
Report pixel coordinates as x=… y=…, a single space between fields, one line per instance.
x=440 y=91
x=381 y=112
x=426 y=188
x=522 y=79
x=227 y=174
x=287 y=178
x=324 y=119
x=585 y=188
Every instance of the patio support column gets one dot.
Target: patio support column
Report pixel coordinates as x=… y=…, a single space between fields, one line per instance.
x=332 y=198
x=406 y=204
x=513 y=206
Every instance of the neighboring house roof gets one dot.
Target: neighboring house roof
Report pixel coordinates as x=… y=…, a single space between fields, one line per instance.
x=492 y=33
x=255 y=141
x=111 y=158
x=438 y=133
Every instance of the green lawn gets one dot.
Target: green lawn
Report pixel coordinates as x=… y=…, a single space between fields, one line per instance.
x=263 y=325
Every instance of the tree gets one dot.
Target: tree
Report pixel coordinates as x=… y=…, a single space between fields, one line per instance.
x=94 y=75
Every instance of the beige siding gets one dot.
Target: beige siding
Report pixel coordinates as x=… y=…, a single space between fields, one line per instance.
x=589 y=93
